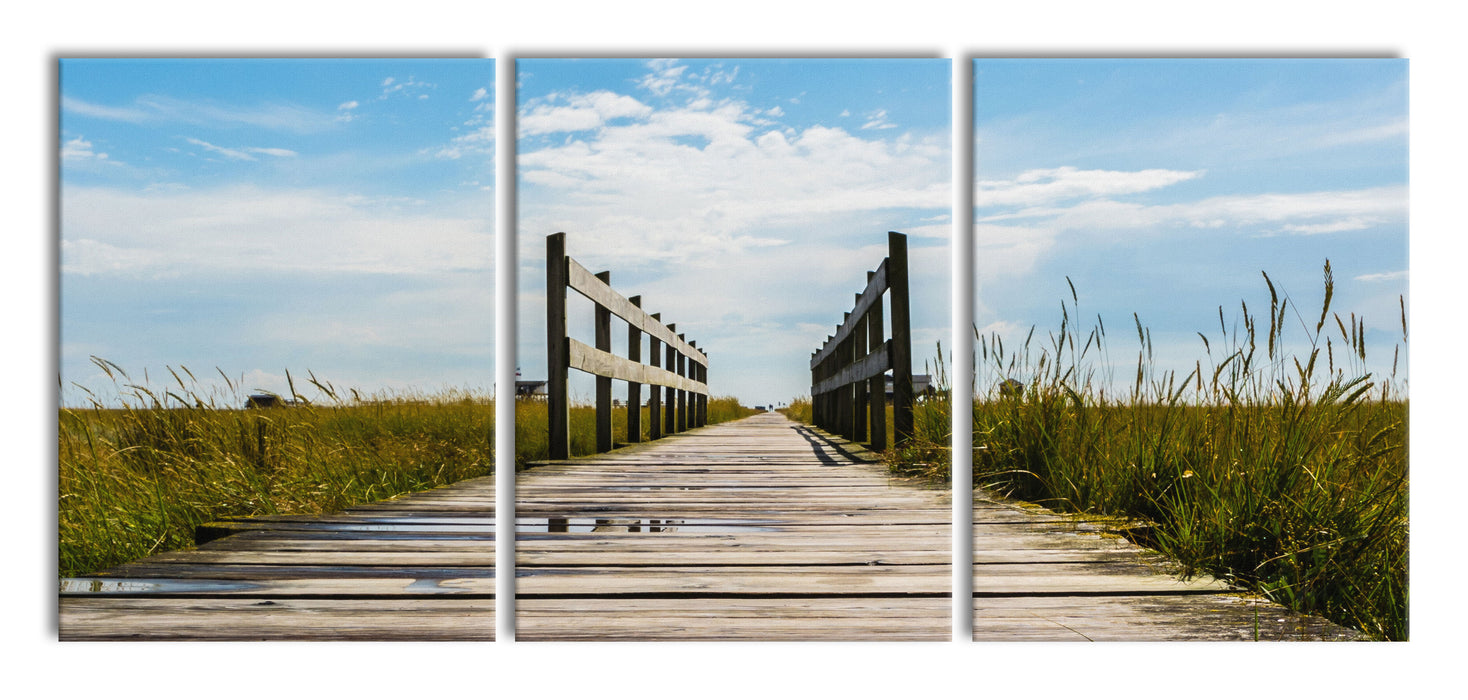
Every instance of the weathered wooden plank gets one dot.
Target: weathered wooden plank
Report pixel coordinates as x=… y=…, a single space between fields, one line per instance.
x=869 y=298
x=361 y=586
x=874 y=364
x=782 y=619
x=423 y=557
x=1146 y=618
x=731 y=557
x=275 y=619
x=580 y=279
x=605 y=364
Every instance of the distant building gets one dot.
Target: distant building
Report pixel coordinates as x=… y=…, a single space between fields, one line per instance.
x=1011 y=388
x=530 y=389
x=268 y=401
x=922 y=385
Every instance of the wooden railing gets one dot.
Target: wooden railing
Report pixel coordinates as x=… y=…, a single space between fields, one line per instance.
x=683 y=375
x=847 y=375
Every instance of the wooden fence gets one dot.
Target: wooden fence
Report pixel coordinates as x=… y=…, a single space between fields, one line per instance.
x=847 y=375
x=683 y=373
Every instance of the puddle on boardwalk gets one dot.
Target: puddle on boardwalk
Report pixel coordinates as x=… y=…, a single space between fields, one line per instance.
x=113 y=585
x=652 y=525
x=484 y=526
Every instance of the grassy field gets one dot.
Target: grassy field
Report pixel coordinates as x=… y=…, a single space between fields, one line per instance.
x=137 y=479
x=1284 y=474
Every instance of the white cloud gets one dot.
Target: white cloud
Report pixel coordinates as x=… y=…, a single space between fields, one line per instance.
x=477 y=142
x=412 y=87
x=1382 y=276
x=478 y=95
x=244 y=229
x=149 y=109
x=347 y=106
x=1021 y=219
x=229 y=153
x=1304 y=213
x=647 y=181
x=1388 y=130
x=80 y=150
x=878 y=120
x=242 y=153
x=580 y=112
x=1042 y=186
x=664 y=76
x=121 y=114
x=1354 y=223
x=277 y=152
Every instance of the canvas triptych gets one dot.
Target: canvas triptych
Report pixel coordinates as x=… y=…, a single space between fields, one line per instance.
x=292 y=292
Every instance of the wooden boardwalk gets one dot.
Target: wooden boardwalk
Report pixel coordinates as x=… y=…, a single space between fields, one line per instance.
x=757 y=529
x=760 y=529
x=420 y=567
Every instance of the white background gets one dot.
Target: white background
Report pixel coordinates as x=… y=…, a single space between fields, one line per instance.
x=34 y=37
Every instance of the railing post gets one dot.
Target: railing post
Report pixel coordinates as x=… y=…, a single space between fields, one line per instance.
x=634 y=389
x=703 y=399
x=826 y=396
x=557 y=400
x=815 y=399
x=682 y=393
x=671 y=409
x=843 y=392
x=877 y=385
x=859 y=388
x=655 y=396
x=693 y=395
x=902 y=397
x=603 y=384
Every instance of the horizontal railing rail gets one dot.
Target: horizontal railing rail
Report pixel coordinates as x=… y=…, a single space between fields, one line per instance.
x=674 y=364
x=848 y=372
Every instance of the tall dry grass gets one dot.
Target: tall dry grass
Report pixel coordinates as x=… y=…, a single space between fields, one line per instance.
x=1285 y=473
x=137 y=479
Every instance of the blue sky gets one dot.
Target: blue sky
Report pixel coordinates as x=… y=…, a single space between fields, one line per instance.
x=264 y=215
x=1163 y=187
x=744 y=200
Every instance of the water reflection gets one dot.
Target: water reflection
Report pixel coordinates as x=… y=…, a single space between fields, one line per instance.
x=145 y=586
x=638 y=525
